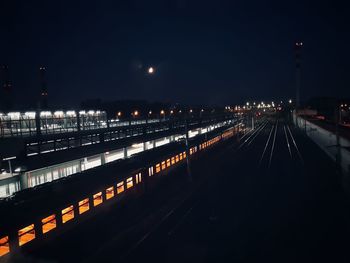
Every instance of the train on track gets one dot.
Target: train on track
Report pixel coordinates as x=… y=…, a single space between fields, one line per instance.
x=43 y=212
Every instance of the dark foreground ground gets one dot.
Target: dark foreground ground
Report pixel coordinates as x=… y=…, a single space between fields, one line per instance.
x=272 y=197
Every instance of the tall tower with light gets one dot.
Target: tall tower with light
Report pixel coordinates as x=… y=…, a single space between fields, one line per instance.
x=43 y=104
x=298 y=46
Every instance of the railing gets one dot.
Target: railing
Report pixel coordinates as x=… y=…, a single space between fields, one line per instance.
x=337 y=150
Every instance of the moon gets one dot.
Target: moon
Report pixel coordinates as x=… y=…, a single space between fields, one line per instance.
x=150 y=70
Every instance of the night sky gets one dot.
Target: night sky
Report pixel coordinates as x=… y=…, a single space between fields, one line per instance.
x=212 y=52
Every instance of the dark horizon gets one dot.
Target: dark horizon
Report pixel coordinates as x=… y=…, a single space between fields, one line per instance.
x=203 y=53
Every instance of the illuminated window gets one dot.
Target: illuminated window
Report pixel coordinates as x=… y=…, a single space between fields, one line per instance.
x=150 y=171
x=120 y=187
x=163 y=165
x=172 y=160
x=177 y=158
x=168 y=164
x=109 y=192
x=138 y=178
x=49 y=223
x=97 y=199
x=157 y=168
x=129 y=182
x=191 y=151
x=67 y=214
x=184 y=154
x=84 y=206
x=180 y=156
x=26 y=234
x=4 y=246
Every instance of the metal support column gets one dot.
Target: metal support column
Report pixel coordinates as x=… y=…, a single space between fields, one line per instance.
x=125 y=150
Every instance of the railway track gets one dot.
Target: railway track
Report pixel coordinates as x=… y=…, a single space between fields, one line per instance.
x=280 y=135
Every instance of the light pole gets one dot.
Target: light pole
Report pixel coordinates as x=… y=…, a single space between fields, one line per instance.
x=187 y=150
x=298 y=47
x=338 y=120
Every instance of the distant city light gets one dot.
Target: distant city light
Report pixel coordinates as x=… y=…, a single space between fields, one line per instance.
x=58 y=113
x=45 y=113
x=119 y=113
x=70 y=113
x=30 y=114
x=162 y=112
x=150 y=112
x=290 y=101
x=136 y=113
